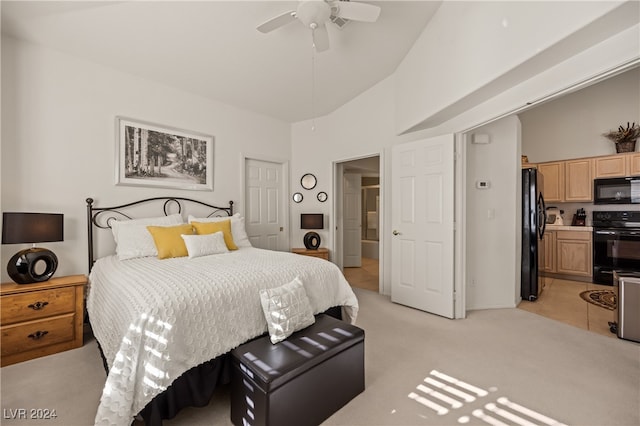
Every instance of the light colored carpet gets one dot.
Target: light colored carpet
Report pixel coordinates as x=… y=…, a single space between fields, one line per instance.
x=566 y=373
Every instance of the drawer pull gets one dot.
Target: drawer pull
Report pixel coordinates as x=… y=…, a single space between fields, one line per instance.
x=38 y=305
x=38 y=335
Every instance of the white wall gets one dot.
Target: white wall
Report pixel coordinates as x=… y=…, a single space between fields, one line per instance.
x=362 y=127
x=572 y=126
x=493 y=217
x=58 y=142
x=469 y=45
x=367 y=125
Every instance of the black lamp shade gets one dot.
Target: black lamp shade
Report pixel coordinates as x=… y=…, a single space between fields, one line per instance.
x=312 y=221
x=18 y=228
x=33 y=264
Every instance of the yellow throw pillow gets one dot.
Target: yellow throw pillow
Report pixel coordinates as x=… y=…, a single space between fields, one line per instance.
x=203 y=228
x=168 y=239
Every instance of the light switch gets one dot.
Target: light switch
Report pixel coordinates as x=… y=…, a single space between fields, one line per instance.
x=491 y=213
x=483 y=184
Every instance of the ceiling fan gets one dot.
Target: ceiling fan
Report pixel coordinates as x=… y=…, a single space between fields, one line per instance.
x=315 y=14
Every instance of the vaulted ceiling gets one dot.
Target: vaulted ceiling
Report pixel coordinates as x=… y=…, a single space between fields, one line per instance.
x=212 y=48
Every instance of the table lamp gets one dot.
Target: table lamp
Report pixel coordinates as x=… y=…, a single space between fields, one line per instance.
x=26 y=266
x=312 y=221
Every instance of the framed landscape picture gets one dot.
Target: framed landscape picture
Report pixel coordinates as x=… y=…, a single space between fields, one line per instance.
x=161 y=156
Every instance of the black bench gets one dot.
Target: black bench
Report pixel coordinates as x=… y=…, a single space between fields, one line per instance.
x=300 y=381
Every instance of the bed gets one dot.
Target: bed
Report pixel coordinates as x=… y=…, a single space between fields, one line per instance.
x=165 y=327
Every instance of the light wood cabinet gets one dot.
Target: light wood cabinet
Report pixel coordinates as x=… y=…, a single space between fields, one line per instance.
x=578 y=180
x=553 y=180
x=567 y=254
x=42 y=318
x=611 y=166
x=574 y=253
x=570 y=180
x=547 y=262
x=634 y=164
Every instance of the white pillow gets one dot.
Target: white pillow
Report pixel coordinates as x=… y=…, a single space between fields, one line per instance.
x=204 y=245
x=287 y=309
x=133 y=238
x=238 y=232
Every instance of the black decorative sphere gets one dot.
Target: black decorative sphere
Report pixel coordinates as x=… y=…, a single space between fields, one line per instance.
x=312 y=240
x=24 y=266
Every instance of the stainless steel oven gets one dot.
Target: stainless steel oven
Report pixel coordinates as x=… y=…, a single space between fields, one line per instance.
x=616 y=244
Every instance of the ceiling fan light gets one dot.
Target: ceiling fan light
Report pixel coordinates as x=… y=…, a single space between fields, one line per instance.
x=313 y=11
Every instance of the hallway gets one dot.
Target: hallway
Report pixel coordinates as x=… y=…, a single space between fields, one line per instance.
x=365 y=277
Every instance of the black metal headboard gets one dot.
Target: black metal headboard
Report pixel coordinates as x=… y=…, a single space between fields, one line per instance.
x=101 y=217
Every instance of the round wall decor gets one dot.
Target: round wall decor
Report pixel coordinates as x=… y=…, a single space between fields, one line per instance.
x=308 y=181
x=322 y=196
x=297 y=197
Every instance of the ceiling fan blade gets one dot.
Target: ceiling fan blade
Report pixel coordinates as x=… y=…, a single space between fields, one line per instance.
x=321 y=38
x=357 y=11
x=277 y=22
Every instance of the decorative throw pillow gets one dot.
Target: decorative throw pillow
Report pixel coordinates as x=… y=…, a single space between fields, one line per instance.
x=134 y=240
x=287 y=309
x=203 y=228
x=204 y=245
x=238 y=231
x=168 y=240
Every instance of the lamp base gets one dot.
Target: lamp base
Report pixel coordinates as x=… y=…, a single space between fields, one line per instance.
x=24 y=265
x=312 y=240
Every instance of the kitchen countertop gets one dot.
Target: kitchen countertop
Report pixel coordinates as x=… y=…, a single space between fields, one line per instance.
x=569 y=228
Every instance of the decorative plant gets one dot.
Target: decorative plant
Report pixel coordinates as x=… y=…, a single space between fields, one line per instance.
x=624 y=134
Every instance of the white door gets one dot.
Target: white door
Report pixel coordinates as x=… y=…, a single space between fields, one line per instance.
x=352 y=220
x=265 y=211
x=422 y=225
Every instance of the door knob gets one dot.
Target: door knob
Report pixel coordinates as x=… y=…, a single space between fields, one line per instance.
x=396 y=232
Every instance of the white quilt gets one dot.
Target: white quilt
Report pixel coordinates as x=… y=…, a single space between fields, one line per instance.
x=155 y=319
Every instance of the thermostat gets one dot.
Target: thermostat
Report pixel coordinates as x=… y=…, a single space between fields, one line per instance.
x=483 y=184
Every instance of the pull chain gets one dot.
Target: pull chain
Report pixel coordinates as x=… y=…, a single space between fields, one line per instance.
x=313 y=86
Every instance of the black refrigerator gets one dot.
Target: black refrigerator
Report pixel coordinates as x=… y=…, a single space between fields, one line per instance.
x=533 y=223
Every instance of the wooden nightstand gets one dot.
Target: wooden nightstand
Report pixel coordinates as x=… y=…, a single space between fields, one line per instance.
x=42 y=318
x=322 y=253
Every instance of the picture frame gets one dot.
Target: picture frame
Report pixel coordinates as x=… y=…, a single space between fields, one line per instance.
x=154 y=155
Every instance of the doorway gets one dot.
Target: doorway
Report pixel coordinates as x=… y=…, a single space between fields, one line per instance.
x=358 y=221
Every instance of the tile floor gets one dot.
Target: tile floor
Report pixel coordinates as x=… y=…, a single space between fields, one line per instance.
x=365 y=277
x=560 y=300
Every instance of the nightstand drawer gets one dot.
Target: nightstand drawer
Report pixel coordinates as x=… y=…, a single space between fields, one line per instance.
x=37 y=304
x=37 y=334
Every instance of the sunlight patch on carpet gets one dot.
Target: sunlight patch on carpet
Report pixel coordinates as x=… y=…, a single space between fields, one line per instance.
x=444 y=394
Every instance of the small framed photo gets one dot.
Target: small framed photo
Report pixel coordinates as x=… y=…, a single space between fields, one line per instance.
x=161 y=156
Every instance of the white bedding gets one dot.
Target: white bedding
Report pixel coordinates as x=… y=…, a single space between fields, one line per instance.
x=155 y=319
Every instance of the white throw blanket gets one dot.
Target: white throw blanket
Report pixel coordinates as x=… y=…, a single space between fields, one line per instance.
x=156 y=319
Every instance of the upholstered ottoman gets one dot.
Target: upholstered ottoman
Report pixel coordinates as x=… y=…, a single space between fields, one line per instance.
x=300 y=381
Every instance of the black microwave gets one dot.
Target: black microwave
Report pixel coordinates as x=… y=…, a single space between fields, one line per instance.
x=623 y=190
